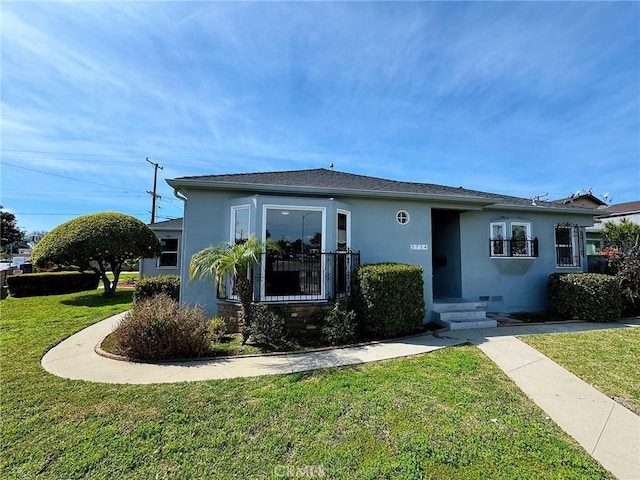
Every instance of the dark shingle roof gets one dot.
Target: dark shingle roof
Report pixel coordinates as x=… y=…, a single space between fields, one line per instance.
x=333 y=182
x=173 y=224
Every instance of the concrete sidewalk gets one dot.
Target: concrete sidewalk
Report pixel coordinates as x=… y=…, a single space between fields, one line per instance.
x=608 y=431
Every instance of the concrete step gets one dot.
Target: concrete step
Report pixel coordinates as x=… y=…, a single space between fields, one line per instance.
x=458 y=306
x=466 y=324
x=461 y=315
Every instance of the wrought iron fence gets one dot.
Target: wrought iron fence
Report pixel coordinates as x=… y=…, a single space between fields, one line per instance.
x=298 y=277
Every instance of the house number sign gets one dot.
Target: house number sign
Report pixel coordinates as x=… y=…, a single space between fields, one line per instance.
x=419 y=246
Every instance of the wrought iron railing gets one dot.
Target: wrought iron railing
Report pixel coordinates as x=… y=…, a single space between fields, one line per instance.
x=502 y=247
x=300 y=277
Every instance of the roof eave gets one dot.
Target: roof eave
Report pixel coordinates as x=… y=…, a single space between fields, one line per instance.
x=545 y=208
x=328 y=192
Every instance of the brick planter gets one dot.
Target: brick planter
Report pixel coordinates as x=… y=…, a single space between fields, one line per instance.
x=299 y=318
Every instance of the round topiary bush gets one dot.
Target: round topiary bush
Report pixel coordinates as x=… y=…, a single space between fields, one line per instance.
x=100 y=242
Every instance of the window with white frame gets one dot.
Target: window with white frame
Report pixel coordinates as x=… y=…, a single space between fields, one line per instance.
x=297 y=270
x=520 y=239
x=567 y=239
x=169 y=256
x=402 y=217
x=497 y=239
x=240 y=224
x=512 y=238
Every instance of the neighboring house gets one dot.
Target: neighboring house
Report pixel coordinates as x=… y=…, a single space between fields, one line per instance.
x=168 y=263
x=595 y=237
x=579 y=199
x=493 y=250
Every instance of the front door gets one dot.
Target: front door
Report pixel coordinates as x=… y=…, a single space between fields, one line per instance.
x=446 y=257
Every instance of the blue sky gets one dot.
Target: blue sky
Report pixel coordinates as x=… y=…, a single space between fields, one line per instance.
x=517 y=98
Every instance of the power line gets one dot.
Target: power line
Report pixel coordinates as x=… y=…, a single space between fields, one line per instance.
x=63 y=214
x=65 y=159
x=71 y=178
x=69 y=153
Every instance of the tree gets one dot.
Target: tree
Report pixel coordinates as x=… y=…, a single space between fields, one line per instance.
x=10 y=232
x=236 y=261
x=622 y=235
x=624 y=257
x=99 y=241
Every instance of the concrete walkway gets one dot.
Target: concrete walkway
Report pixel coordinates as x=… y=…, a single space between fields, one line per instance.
x=608 y=431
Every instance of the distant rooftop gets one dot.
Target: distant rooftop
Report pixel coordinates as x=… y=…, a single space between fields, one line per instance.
x=622 y=208
x=172 y=224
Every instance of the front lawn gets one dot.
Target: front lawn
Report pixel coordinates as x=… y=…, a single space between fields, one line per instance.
x=449 y=414
x=607 y=359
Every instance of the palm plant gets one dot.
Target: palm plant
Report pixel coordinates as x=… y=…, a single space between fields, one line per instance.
x=233 y=260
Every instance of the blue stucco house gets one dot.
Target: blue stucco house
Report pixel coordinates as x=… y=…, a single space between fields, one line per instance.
x=479 y=251
x=169 y=232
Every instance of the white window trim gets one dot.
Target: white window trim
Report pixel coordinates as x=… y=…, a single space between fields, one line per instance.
x=348 y=214
x=228 y=282
x=405 y=214
x=575 y=246
x=232 y=227
x=527 y=227
x=504 y=245
x=323 y=287
x=176 y=251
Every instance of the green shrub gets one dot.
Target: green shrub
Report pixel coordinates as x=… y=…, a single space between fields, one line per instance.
x=51 y=283
x=389 y=298
x=339 y=326
x=99 y=242
x=216 y=328
x=149 y=287
x=585 y=296
x=266 y=326
x=160 y=328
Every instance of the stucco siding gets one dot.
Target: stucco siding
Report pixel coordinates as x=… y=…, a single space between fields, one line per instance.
x=149 y=266
x=507 y=284
x=380 y=238
x=206 y=222
x=511 y=284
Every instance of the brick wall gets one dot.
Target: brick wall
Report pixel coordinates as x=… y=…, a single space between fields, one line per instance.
x=300 y=318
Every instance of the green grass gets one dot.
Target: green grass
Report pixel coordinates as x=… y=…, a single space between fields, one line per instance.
x=124 y=276
x=607 y=359
x=450 y=414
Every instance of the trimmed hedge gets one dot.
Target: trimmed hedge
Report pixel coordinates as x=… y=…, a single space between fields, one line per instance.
x=150 y=287
x=585 y=296
x=389 y=298
x=51 y=283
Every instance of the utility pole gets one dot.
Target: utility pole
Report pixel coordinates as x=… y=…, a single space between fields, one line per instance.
x=153 y=194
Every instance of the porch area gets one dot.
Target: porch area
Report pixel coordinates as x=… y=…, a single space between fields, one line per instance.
x=461 y=314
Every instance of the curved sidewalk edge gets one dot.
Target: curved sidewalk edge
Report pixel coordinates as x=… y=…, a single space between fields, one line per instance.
x=75 y=358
